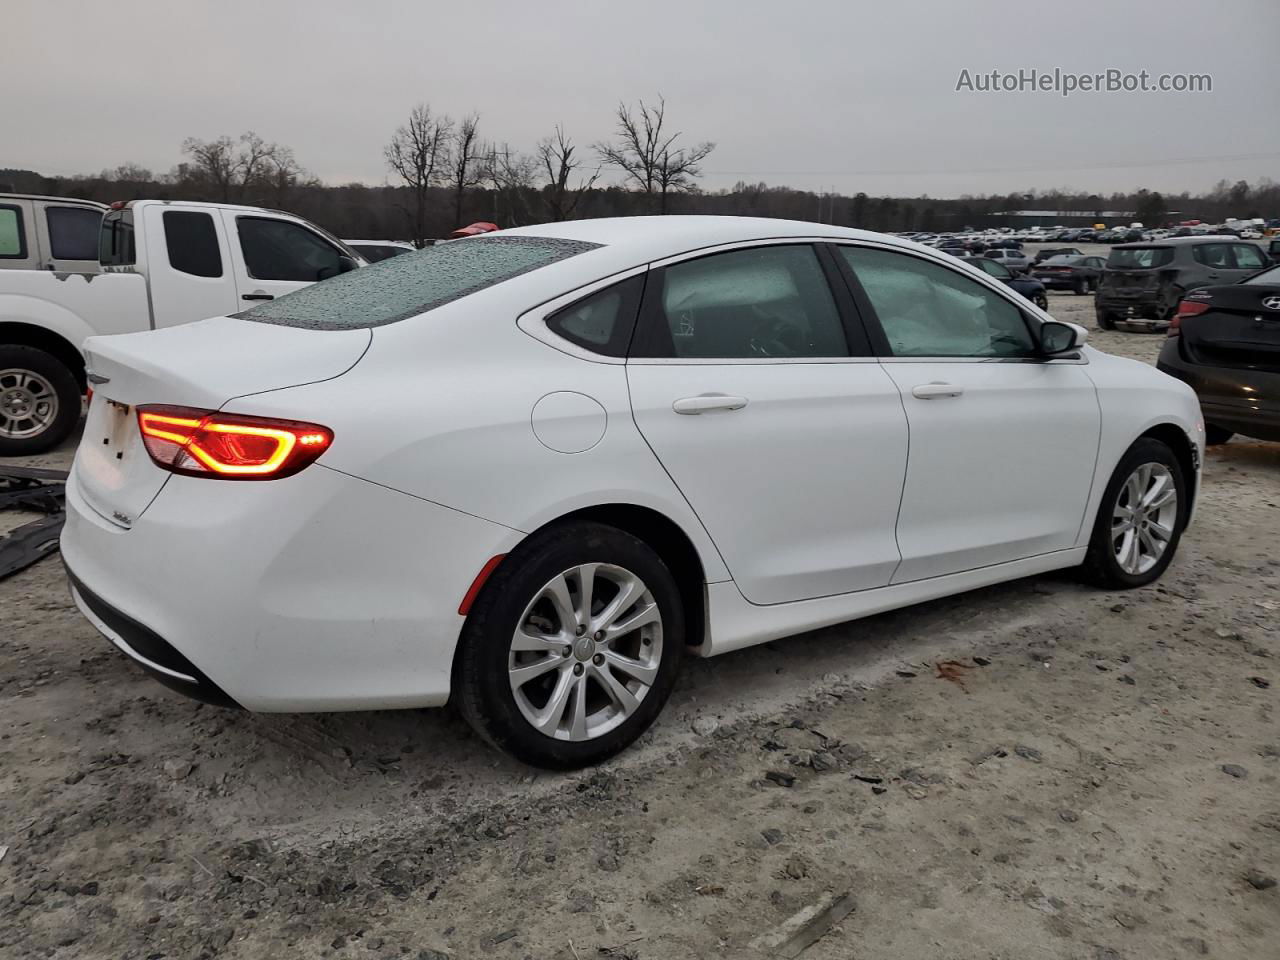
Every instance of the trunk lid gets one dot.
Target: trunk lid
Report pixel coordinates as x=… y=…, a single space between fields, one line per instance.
x=202 y=364
x=1238 y=330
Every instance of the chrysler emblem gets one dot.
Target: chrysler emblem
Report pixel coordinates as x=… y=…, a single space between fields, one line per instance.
x=1271 y=303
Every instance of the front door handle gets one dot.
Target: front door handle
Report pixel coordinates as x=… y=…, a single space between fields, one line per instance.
x=936 y=390
x=256 y=296
x=707 y=403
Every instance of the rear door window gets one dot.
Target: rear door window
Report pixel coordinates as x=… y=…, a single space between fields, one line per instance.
x=191 y=240
x=73 y=232
x=404 y=287
x=755 y=303
x=13 y=237
x=1216 y=256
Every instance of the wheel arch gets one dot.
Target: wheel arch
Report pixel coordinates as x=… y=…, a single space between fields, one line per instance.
x=1184 y=450
x=17 y=333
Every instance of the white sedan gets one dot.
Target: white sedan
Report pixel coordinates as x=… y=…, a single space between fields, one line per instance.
x=530 y=471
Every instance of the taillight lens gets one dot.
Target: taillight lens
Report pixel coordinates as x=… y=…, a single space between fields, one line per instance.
x=226 y=446
x=1186 y=308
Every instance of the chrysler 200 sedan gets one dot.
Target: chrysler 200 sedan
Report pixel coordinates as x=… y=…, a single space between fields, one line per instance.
x=528 y=471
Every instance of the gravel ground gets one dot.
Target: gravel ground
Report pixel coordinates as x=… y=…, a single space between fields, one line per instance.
x=1036 y=769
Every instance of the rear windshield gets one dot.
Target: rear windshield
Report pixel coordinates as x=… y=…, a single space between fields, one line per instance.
x=405 y=286
x=1139 y=258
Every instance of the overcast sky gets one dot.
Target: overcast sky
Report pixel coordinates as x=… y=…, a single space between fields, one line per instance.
x=809 y=93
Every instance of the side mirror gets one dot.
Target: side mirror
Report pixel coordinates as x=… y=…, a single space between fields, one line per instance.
x=347 y=264
x=1057 y=339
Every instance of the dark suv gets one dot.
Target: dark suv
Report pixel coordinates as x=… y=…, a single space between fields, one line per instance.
x=1144 y=281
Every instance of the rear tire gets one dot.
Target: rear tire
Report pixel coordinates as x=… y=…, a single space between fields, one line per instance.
x=1216 y=436
x=1106 y=319
x=597 y=689
x=39 y=401
x=1132 y=514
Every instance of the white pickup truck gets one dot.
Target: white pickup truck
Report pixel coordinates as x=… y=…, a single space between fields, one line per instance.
x=150 y=263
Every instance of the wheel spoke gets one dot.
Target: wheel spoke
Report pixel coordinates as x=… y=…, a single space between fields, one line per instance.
x=1160 y=530
x=1158 y=489
x=1153 y=548
x=643 y=672
x=525 y=672
x=557 y=591
x=646 y=614
x=547 y=720
x=629 y=590
x=618 y=693
x=586 y=592
x=578 y=715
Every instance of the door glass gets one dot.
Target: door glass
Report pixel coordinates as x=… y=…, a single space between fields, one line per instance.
x=283 y=250
x=927 y=310
x=191 y=241
x=1248 y=257
x=73 y=232
x=13 y=244
x=1213 y=255
x=756 y=303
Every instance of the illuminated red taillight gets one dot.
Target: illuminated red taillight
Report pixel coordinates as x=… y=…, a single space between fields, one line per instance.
x=1186 y=308
x=227 y=446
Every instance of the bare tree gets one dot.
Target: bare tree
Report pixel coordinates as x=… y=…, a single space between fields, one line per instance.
x=282 y=174
x=466 y=164
x=252 y=161
x=648 y=157
x=512 y=178
x=214 y=162
x=556 y=158
x=418 y=153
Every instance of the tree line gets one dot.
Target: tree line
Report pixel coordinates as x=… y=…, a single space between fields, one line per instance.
x=445 y=172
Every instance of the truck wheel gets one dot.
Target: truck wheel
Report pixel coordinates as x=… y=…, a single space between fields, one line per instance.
x=1106 y=320
x=39 y=401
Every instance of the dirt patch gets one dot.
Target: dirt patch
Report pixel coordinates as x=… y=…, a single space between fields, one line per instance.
x=1040 y=763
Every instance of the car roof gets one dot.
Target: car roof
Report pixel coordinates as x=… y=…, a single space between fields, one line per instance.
x=655 y=237
x=37 y=196
x=1178 y=241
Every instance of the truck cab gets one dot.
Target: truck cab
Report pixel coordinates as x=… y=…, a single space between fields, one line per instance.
x=150 y=264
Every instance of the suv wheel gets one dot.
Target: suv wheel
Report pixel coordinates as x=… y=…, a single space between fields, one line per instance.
x=572 y=647
x=1140 y=519
x=1106 y=319
x=39 y=401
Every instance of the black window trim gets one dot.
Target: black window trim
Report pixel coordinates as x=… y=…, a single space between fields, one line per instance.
x=22 y=253
x=880 y=341
x=651 y=342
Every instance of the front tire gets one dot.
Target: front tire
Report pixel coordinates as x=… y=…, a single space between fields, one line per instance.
x=572 y=648
x=39 y=401
x=1140 y=519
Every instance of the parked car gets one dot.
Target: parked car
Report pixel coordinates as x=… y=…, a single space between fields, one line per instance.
x=522 y=472
x=376 y=251
x=1145 y=281
x=1273 y=249
x=1027 y=286
x=150 y=263
x=1079 y=274
x=1012 y=258
x=1225 y=342
x=1048 y=252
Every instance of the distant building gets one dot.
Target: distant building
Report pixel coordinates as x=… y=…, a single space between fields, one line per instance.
x=1068 y=218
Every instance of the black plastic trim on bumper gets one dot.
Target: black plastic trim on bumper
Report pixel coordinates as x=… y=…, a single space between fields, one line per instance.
x=155 y=648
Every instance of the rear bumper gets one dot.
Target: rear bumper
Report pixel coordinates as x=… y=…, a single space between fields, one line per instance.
x=316 y=592
x=1243 y=401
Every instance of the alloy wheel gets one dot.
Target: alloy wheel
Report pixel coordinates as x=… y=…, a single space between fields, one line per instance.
x=28 y=404
x=586 y=652
x=1144 y=518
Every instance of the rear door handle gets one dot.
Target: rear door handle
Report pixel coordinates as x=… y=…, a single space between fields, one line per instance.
x=936 y=390
x=256 y=296
x=707 y=403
